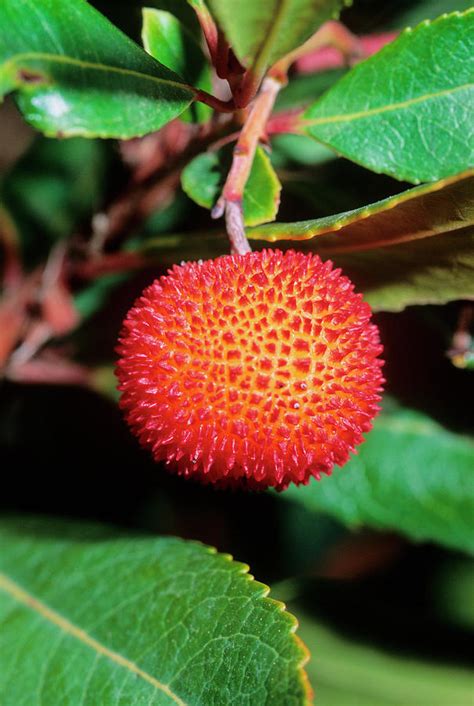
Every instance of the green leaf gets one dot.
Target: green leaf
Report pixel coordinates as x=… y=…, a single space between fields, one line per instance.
x=406 y=111
x=204 y=177
x=56 y=185
x=168 y=41
x=430 y=271
x=410 y=475
x=74 y=73
x=430 y=209
x=262 y=32
x=183 y=11
x=351 y=674
x=88 y=618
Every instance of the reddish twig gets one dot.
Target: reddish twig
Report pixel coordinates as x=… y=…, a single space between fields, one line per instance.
x=215 y=103
x=54 y=295
x=50 y=369
x=13 y=318
x=12 y=268
x=152 y=185
x=231 y=199
x=209 y=29
x=222 y=56
x=112 y=263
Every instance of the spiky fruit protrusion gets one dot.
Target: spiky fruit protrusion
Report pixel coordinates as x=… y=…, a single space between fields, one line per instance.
x=259 y=369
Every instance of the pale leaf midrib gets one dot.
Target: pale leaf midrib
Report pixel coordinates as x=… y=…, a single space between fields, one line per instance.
x=259 y=64
x=402 y=105
x=62 y=59
x=24 y=597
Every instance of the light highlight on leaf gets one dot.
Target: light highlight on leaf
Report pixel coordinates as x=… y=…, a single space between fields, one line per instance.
x=74 y=73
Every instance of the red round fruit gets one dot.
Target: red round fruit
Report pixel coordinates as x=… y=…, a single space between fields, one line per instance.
x=259 y=369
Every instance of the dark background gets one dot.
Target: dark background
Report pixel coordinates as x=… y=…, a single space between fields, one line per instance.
x=66 y=451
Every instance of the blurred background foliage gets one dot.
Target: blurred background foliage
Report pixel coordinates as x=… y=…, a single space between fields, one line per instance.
x=387 y=619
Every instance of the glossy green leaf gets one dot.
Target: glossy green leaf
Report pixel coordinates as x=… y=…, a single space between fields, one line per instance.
x=90 y=618
x=168 y=41
x=410 y=475
x=204 y=177
x=54 y=187
x=430 y=209
x=262 y=32
x=347 y=673
x=74 y=73
x=407 y=110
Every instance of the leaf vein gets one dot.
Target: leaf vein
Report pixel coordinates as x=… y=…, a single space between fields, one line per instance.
x=60 y=59
x=25 y=598
x=402 y=105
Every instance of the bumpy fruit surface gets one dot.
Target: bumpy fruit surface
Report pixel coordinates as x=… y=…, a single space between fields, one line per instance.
x=258 y=369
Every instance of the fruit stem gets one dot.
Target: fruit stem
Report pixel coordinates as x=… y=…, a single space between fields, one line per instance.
x=231 y=201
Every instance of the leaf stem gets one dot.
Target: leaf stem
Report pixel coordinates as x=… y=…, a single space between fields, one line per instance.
x=285 y=122
x=231 y=201
x=209 y=30
x=331 y=34
x=216 y=103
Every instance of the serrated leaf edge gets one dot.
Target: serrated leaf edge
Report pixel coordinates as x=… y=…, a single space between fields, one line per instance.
x=18 y=593
x=293 y=623
x=347 y=218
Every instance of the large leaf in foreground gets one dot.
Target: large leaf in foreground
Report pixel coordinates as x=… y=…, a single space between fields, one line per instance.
x=204 y=177
x=410 y=475
x=262 y=32
x=97 y=620
x=74 y=73
x=430 y=209
x=407 y=110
